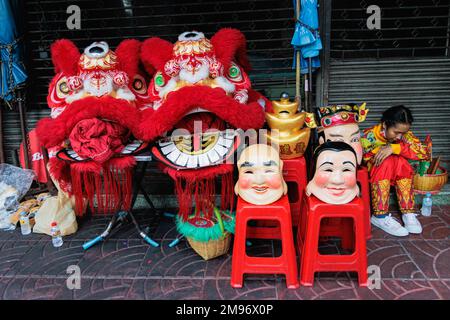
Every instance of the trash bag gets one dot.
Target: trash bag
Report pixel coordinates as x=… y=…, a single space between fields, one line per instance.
x=14 y=184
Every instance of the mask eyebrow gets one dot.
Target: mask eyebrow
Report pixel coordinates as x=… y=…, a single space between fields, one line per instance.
x=345 y=162
x=334 y=135
x=356 y=132
x=247 y=164
x=326 y=162
x=270 y=163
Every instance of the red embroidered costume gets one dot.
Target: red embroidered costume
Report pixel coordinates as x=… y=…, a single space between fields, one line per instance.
x=393 y=171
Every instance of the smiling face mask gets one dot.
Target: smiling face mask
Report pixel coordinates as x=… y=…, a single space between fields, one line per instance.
x=348 y=133
x=334 y=179
x=260 y=175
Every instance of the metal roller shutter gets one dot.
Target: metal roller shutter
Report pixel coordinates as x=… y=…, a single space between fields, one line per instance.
x=421 y=84
x=267 y=25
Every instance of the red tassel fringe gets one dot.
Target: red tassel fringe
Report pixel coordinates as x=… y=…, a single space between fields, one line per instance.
x=109 y=187
x=203 y=191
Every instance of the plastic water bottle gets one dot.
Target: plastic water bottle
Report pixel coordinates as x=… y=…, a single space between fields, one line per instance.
x=25 y=227
x=57 y=240
x=427 y=202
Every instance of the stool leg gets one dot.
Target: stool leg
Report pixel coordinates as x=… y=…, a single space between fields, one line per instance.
x=237 y=274
x=290 y=256
x=310 y=251
x=360 y=246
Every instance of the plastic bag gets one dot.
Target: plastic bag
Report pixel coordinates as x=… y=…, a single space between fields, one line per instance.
x=14 y=184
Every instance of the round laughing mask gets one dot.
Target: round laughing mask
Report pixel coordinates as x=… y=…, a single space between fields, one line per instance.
x=260 y=175
x=334 y=178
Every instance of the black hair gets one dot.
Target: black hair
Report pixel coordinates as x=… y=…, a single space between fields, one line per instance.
x=336 y=146
x=397 y=114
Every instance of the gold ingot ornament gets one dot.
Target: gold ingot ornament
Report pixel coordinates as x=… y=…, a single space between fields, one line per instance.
x=287 y=130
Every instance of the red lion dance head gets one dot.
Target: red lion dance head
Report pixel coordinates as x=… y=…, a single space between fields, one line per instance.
x=95 y=99
x=200 y=89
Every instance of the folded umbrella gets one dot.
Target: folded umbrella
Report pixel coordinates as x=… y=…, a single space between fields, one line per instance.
x=306 y=37
x=12 y=69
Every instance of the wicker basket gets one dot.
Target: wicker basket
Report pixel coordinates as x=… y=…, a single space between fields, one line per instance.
x=213 y=248
x=430 y=182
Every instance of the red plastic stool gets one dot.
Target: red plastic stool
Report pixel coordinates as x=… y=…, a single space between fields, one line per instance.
x=339 y=227
x=313 y=211
x=241 y=263
x=294 y=170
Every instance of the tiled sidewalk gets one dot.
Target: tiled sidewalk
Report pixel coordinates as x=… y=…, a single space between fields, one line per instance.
x=124 y=267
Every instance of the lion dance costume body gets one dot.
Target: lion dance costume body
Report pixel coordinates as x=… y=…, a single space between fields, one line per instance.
x=95 y=99
x=200 y=89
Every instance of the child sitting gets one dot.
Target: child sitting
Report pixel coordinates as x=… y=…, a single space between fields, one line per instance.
x=387 y=148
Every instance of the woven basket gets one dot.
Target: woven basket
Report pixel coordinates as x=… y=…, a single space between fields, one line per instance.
x=213 y=248
x=430 y=182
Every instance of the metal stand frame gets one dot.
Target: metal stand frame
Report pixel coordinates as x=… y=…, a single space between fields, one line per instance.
x=121 y=217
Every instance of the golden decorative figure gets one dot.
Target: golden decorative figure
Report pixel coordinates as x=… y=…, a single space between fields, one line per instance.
x=286 y=126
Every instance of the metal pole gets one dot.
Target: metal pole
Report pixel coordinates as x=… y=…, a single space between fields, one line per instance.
x=447 y=43
x=23 y=129
x=298 y=97
x=2 y=154
x=310 y=85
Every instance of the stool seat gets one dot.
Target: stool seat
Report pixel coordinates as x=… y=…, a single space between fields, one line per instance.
x=313 y=211
x=242 y=264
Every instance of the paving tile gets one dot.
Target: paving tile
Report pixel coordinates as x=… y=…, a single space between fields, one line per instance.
x=114 y=258
x=91 y=227
x=432 y=257
x=103 y=289
x=179 y=261
x=442 y=287
x=44 y=259
x=220 y=267
x=442 y=212
x=252 y=290
x=393 y=260
x=16 y=235
x=341 y=289
x=392 y=289
x=167 y=289
x=11 y=252
x=32 y=288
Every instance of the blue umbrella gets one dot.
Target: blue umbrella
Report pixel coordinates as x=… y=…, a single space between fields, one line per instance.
x=12 y=69
x=306 y=37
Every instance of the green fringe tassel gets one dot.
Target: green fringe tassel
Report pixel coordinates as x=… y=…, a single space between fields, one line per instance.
x=205 y=234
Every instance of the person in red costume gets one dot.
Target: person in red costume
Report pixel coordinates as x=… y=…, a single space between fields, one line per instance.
x=200 y=92
x=95 y=100
x=387 y=148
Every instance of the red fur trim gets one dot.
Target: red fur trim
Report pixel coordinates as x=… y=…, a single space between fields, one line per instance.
x=65 y=56
x=128 y=55
x=255 y=95
x=155 y=52
x=230 y=45
x=52 y=132
x=178 y=103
